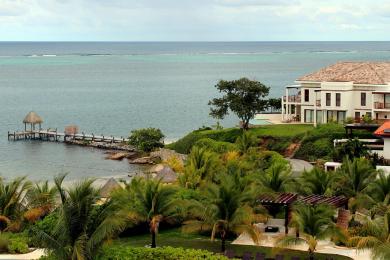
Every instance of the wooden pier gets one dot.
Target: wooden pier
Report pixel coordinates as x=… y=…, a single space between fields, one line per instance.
x=55 y=136
x=71 y=133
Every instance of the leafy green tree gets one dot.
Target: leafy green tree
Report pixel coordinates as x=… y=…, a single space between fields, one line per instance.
x=147 y=139
x=275 y=104
x=82 y=226
x=313 y=223
x=150 y=201
x=246 y=141
x=12 y=200
x=379 y=190
x=277 y=178
x=226 y=209
x=374 y=235
x=243 y=97
x=317 y=181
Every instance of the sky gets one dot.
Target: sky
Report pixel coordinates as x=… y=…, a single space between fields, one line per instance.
x=194 y=20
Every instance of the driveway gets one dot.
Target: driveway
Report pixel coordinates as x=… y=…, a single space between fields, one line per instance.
x=298 y=166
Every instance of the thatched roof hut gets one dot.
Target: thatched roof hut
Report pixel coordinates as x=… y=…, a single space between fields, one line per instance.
x=33 y=119
x=165 y=173
x=109 y=187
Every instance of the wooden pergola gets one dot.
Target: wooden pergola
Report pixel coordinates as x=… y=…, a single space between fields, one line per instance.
x=286 y=200
x=32 y=119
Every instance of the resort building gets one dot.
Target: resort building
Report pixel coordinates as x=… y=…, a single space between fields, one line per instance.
x=340 y=91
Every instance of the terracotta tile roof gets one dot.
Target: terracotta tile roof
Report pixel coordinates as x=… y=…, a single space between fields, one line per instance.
x=381 y=130
x=375 y=73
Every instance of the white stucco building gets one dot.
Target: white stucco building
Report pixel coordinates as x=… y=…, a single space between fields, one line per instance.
x=339 y=91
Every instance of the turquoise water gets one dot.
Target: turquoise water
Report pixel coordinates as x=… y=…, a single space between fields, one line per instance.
x=259 y=122
x=112 y=88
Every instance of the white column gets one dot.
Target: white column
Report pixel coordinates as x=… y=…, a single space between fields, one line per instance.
x=287 y=106
x=283 y=108
x=315 y=108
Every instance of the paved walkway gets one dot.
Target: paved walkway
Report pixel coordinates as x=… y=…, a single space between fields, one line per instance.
x=36 y=254
x=298 y=166
x=325 y=247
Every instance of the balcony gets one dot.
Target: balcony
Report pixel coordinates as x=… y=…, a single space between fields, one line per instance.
x=293 y=99
x=381 y=105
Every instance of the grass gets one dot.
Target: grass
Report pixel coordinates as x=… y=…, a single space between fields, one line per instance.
x=285 y=133
x=286 y=130
x=175 y=238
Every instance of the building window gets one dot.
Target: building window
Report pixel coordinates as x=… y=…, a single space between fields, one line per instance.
x=328 y=99
x=363 y=99
x=306 y=95
x=338 y=99
x=309 y=113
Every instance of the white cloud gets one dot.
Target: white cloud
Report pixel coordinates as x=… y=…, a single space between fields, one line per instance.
x=193 y=19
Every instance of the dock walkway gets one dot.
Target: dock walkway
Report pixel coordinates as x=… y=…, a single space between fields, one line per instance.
x=55 y=136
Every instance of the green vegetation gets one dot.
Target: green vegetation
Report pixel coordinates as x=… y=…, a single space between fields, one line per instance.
x=318 y=142
x=271 y=137
x=167 y=253
x=175 y=237
x=146 y=139
x=243 y=97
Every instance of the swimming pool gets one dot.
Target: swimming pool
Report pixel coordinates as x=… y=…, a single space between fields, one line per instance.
x=259 y=122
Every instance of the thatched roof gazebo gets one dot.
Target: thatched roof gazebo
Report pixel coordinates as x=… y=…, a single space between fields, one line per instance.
x=110 y=186
x=32 y=119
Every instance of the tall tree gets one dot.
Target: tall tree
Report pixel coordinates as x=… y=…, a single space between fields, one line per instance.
x=243 y=97
x=82 y=225
x=277 y=178
x=374 y=235
x=12 y=200
x=275 y=104
x=313 y=223
x=225 y=210
x=317 y=181
x=152 y=202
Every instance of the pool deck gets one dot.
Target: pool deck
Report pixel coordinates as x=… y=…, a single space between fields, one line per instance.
x=274 y=119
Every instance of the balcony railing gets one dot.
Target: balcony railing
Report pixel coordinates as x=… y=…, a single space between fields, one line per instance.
x=293 y=98
x=381 y=105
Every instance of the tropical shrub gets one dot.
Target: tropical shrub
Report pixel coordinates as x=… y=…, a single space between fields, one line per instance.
x=113 y=252
x=215 y=146
x=147 y=139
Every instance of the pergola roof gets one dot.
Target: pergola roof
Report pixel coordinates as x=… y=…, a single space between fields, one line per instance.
x=290 y=198
x=32 y=118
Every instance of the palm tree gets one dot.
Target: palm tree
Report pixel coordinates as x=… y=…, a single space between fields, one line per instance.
x=317 y=181
x=12 y=200
x=153 y=202
x=246 y=141
x=355 y=176
x=83 y=226
x=277 y=178
x=376 y=237
x=312 y=222
x=226 y=209
x=41 y=197
x=201 y=165
x=380 y=188
x=354 y=181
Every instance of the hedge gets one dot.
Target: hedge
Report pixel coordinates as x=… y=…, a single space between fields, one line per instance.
x=118 y=252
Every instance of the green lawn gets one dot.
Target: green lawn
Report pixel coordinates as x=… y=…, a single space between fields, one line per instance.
x=286 y=130
x=175 y=238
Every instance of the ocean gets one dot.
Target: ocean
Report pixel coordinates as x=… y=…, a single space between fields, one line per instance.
x=111 y=88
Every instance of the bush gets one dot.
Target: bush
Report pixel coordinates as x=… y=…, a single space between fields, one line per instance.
x=4 y=243
x=167 y=253
x=18 y=247
x=146 y=139
x=215 y=146
x=185 y=144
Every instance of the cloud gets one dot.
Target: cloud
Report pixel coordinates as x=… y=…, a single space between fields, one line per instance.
x=193 y=20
